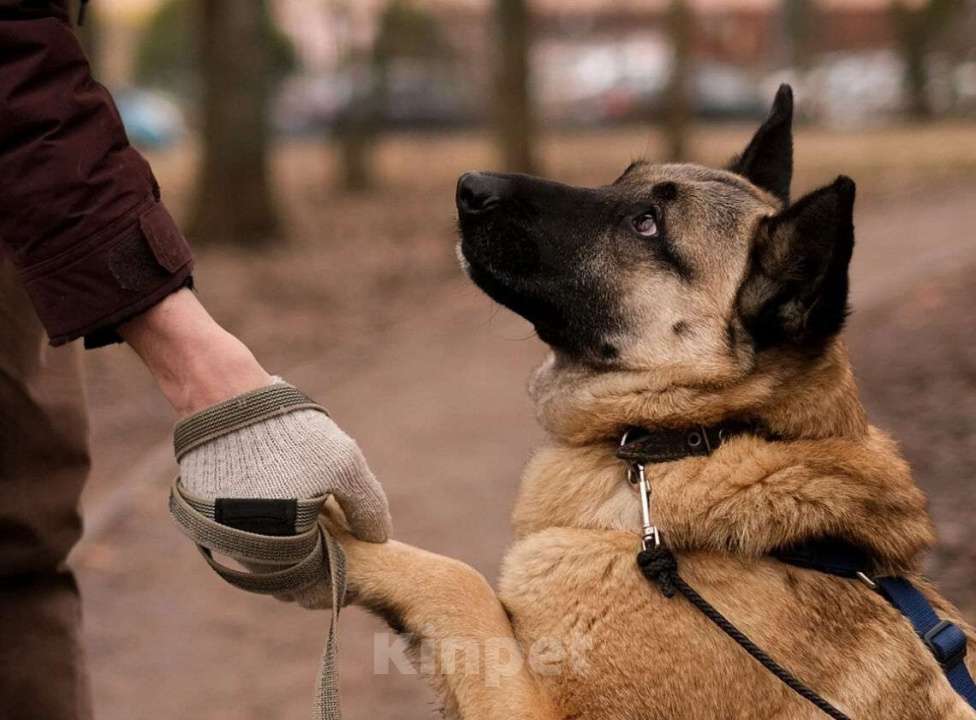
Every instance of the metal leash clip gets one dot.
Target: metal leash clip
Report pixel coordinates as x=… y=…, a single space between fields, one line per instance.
x=649 y=532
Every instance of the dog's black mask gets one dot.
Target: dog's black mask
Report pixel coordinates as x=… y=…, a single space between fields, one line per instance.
x=672 y=263
x=532 y=245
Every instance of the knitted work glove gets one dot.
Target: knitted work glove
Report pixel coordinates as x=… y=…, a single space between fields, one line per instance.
x=300 y=454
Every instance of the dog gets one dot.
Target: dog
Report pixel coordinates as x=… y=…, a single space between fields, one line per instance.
x=677 y=296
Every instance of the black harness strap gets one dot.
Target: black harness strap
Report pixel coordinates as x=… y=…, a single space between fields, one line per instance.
x=660 y=567
x=657 y=563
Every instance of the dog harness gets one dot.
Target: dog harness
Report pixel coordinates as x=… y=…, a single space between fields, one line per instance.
x=944 y=639
x=284 y=537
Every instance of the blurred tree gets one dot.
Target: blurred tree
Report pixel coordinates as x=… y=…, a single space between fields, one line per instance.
x=512 y=107
x=356 y=126
x=799 y=25
x=405 y=32
x=169 y=54
x=678 y=114
x=87 y=32
x=916 y=28
x=408 y=31
x=233 y=202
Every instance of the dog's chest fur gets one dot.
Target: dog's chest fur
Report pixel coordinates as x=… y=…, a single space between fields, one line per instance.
x=607 y=645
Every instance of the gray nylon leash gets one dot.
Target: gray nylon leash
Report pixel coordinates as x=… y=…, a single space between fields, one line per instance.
x=305 y=559
x=298 y=561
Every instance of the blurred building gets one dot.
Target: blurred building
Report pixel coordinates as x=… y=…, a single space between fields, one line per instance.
x=599 y=61
x=739 y=31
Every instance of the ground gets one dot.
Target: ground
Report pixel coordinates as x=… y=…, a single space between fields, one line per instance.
x=365 y=309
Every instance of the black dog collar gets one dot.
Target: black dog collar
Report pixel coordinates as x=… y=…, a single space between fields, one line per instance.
x=647 y=446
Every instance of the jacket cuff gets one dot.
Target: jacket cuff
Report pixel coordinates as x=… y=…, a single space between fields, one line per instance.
x=113 y=276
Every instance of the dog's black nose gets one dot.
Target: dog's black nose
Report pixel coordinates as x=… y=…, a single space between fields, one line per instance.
x=480 y=192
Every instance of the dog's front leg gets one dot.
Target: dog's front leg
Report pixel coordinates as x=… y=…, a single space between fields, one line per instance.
x=459 y=633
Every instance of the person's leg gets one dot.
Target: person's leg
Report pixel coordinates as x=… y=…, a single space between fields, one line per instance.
x=43 y=465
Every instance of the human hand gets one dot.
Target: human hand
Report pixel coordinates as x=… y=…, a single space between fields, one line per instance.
x=274 y=444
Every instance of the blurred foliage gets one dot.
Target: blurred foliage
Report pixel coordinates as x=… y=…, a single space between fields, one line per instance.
x=168 y=55
x=408 y=31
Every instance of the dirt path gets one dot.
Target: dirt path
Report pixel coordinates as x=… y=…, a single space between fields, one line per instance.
x=438 y=404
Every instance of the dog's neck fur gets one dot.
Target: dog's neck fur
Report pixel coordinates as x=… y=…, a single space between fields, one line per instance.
x=792 y=396
x=831 y=474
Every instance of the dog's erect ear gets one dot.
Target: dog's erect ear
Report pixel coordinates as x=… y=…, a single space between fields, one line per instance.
x=795 y=292
x=767 y=161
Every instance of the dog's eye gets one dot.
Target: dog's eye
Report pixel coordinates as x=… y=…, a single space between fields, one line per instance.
x=645 y=224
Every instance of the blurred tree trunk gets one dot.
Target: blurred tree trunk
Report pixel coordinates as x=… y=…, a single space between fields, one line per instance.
x=916 y=29
x=799 y=24
x=355 y=154
x=513 y=111
x=356 y=128
x=87 y=33
x=233 y=202
x=909 y=24
x=678 y=113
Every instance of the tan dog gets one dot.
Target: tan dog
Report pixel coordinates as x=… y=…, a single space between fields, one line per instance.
x=677 y=296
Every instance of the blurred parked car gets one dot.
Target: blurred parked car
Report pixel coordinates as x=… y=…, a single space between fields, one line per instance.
x=423 y=94
x=965 y=86
x=856 y=89
x=600 y=82
x=152 y=119
x=726 y=92
x=308 y=104
x=606 y=82
x=417 y=95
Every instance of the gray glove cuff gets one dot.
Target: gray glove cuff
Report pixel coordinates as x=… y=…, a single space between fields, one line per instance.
x=239 y=412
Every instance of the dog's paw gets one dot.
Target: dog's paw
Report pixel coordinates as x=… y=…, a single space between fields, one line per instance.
x=334 y=521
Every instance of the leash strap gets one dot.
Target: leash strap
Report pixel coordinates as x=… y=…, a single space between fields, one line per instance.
x=659 y=565
x=284 y=535
x=305 y=558
x=301 y=557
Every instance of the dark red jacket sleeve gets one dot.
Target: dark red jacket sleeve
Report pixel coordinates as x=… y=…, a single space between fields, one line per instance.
x=80 y=211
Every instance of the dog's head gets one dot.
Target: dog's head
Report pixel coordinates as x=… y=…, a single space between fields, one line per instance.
x=686 y=272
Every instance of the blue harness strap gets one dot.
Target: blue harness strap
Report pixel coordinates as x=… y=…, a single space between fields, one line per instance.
x=944 y=639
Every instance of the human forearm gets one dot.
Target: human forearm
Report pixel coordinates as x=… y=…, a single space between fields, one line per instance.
x=196 y=362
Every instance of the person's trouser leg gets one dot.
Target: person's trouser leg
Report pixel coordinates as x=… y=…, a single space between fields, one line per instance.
x=43 y=465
